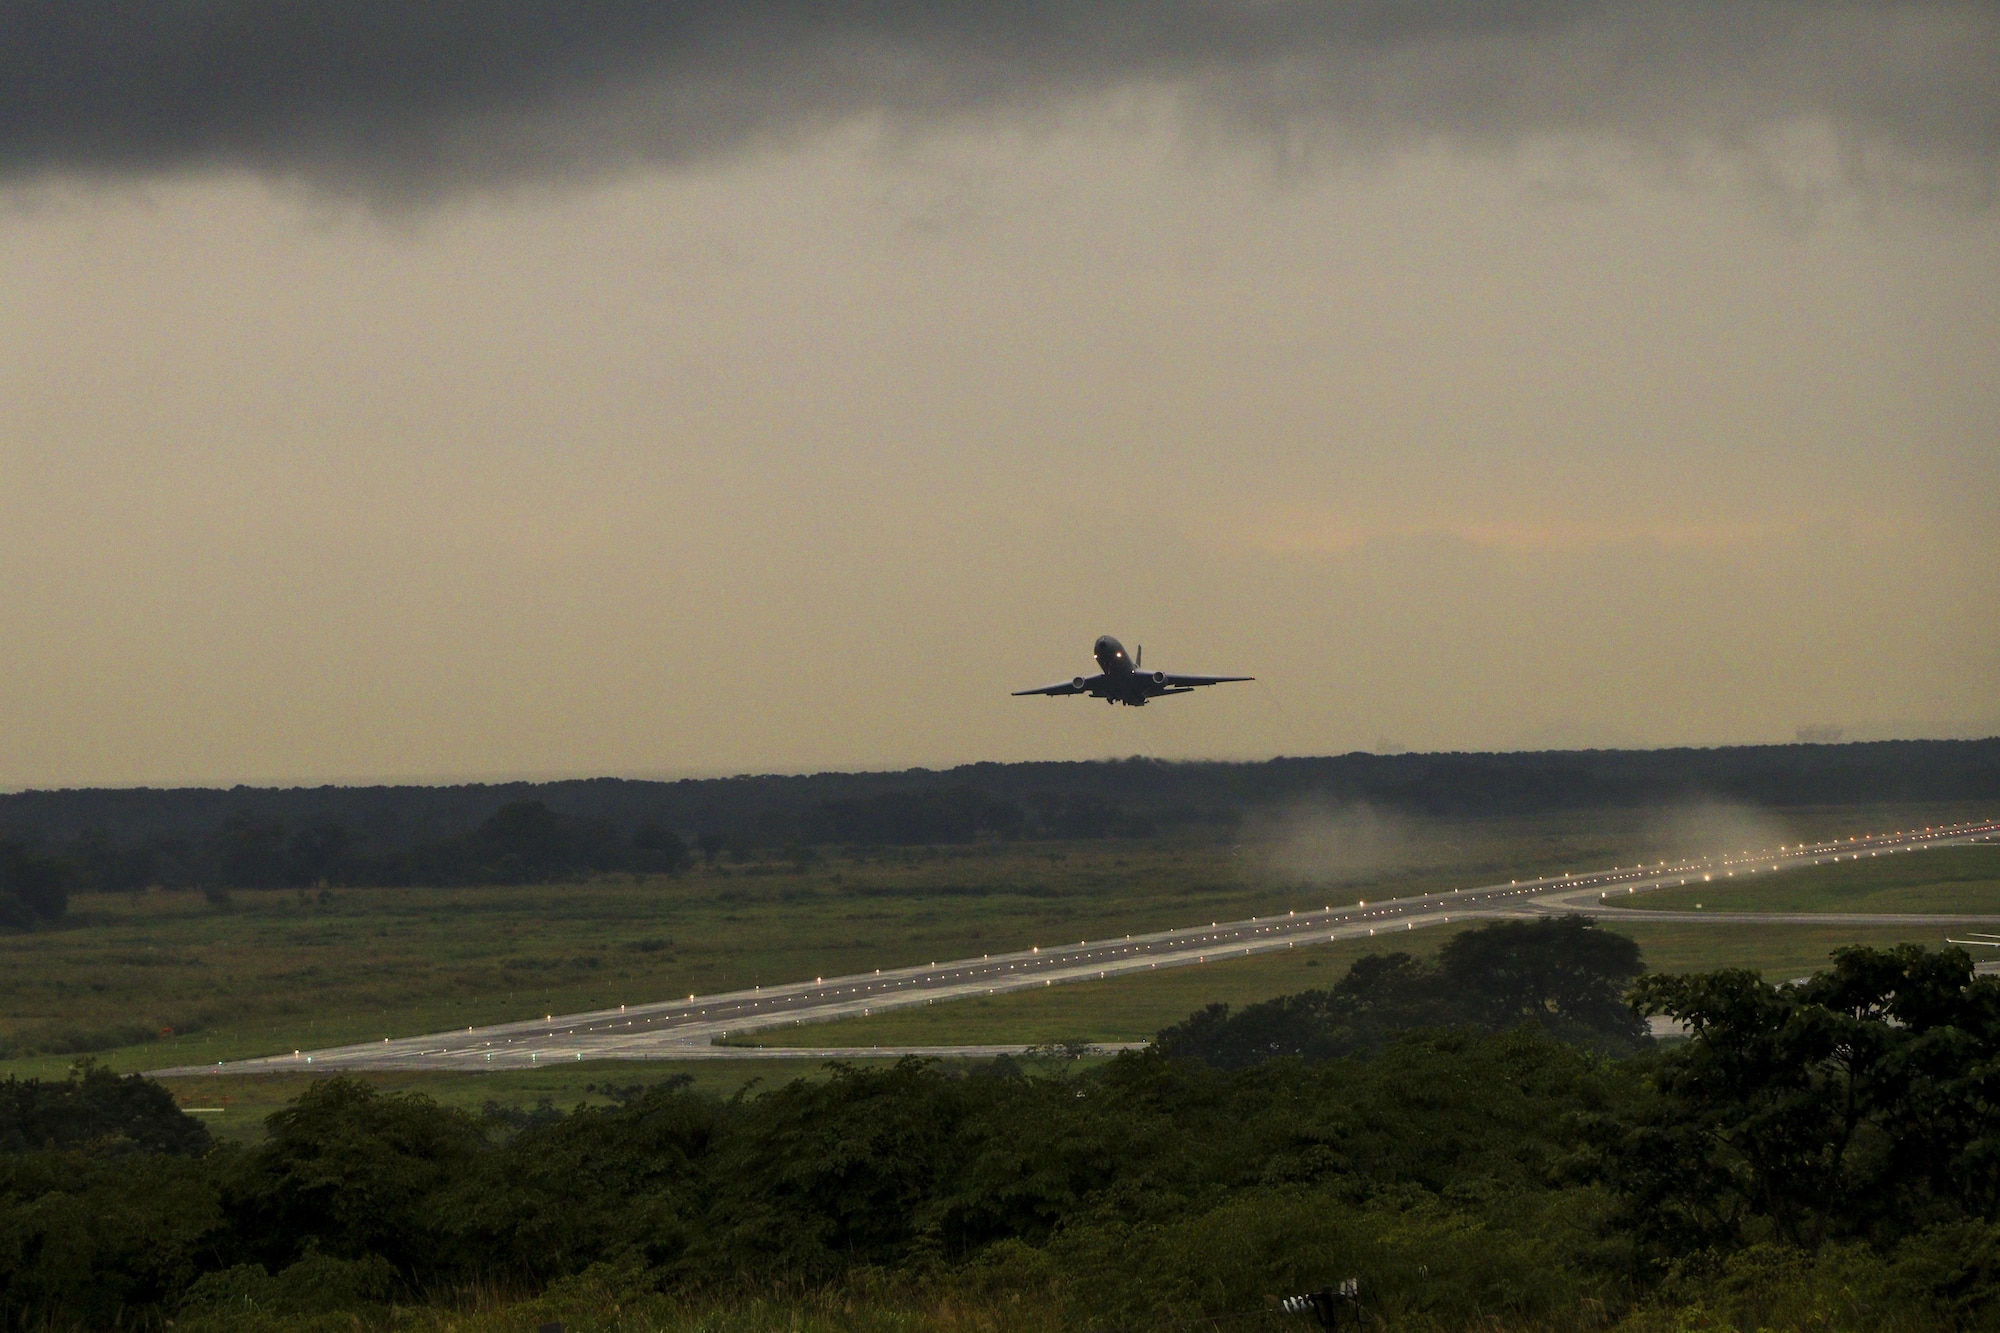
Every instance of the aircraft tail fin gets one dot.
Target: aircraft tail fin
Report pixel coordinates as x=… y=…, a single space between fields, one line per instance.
x=1139 y=658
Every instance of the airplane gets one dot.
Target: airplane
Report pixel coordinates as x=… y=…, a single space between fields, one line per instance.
x=1980 y=938
x=1121 y=681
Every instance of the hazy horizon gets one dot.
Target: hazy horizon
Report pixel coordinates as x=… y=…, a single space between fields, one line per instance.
x=621 y=388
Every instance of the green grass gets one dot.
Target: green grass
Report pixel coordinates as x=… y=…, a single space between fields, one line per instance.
x=1124 y=1008
x=1947 y=879
x=279 y=971
x=1777 y=951
x=1134 y=1007
x=276 y=971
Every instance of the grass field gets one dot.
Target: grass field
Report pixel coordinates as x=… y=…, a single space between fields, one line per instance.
x=1122 y=1008
x=1134 y=1007
x=274 y=971
x=1125 y=1008
x=1948 y=879
x=279 y=970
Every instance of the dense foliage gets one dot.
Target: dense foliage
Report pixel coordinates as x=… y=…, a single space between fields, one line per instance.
x=524 y=832
x=1862 y=1104
x=1560 y=974
x=96 y=1111
x=523 y=842
x=33 y=888
x=1820 y=1154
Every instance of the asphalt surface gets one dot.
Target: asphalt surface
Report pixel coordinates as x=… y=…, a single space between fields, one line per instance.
x=689 y=1029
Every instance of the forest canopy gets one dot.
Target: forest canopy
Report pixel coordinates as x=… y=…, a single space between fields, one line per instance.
x=1826 y=1146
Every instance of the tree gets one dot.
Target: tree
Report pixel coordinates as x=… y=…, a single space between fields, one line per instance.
x=1562 y=975
x=102 y=865
x=1561 y=972
x=1860 y=1103
x=352 y=1172
x=95 y=1110
x=918 y=815
x=33 y=888
x=250 y=853
x=523 y=842
x=656 y=848
x=319 y=853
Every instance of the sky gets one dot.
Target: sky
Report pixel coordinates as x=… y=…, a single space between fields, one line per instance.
x=507 y=388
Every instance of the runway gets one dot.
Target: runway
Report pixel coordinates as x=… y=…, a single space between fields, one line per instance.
x=689 y=1029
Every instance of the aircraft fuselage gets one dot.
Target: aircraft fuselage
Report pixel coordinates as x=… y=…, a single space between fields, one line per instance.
x=1110 y=655
x=1123 y=681
x=1122 y=678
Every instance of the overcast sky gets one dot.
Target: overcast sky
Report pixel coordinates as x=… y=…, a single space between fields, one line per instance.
x=512 y=387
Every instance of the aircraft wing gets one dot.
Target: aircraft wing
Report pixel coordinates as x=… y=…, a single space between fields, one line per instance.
x=1081 y=685
x=1189 y=682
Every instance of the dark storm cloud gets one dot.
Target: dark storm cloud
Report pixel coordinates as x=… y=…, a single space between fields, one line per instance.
x=391 y=95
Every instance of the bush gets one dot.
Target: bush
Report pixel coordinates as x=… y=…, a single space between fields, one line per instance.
x=98 y=1243
x=1468 y=1180
x=33 y=889
x=96 y=1111
x=244 y=1294
x=1562 y=975
x=351 y=1172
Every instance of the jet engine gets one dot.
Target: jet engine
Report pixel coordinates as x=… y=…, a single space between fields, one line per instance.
x=1077 y=683
x=1159 y=677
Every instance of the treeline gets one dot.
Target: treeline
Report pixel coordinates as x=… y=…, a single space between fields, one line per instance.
x=979 y=801
x=1823 y=1155
x=53 y=843
x=1559 y=974
x=34 y=888
x=523 y=842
